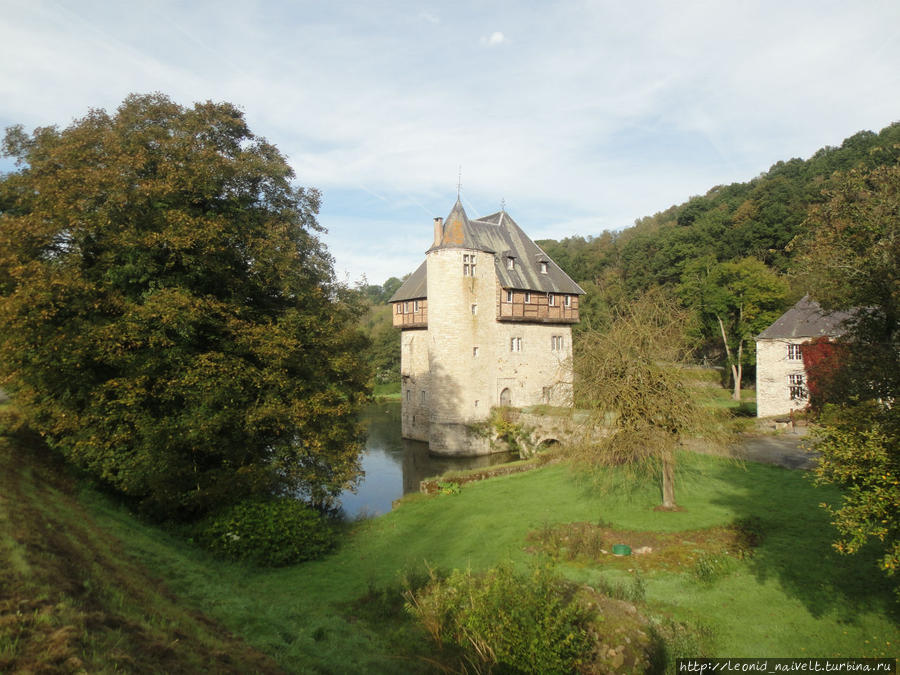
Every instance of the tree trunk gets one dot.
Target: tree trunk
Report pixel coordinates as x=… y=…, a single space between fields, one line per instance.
x=737 y=370
x=668 y=479
x=735 y=366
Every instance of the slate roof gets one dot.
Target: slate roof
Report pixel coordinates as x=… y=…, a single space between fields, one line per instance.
x=498 y=234
x=806 y=319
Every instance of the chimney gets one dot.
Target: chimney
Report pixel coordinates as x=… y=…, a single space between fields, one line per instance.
x=438 y=231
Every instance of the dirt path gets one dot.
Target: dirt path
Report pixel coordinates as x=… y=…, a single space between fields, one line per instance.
x=783 y=449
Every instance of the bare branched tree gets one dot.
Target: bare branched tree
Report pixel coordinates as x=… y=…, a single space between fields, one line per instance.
x=632 y=380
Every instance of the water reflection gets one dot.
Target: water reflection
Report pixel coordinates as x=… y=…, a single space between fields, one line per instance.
x=395 y=465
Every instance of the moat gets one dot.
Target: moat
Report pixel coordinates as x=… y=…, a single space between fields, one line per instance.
x=394 y=465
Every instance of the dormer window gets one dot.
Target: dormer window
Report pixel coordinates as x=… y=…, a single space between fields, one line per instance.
x=543 y=267
x=510 y=263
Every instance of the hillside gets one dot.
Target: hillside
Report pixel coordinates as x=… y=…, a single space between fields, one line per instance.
x=758 y=218
x=71 y=599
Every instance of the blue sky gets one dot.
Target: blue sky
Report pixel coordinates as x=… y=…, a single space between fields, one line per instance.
x=582 y=116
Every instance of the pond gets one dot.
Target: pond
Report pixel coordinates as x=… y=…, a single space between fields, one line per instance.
x=395 y=466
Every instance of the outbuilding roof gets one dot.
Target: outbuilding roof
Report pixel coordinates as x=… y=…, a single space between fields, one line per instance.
x=499 y=235
x=806 y=319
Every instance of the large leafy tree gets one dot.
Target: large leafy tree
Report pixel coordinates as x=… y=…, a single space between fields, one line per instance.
x=850 y=260
x=170 y=319
x=736 y=301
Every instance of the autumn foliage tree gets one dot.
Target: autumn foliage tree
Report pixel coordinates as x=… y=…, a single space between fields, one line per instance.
x=850 y=259
x=824 y=361
x=171 y=323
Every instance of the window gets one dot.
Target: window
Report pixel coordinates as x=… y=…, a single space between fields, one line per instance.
x=474 y=310
x=476 y=402
x=415 y=305
x=545 y=394
x=422 y=397
x=475 y=352
x=556 y=343
x=509 y=296
x=510 y=263
x=550 y=299
x=409 y=394
x=568 y=301
x=794 y=353
x=406 y=307
x=796 y=388
x=515 y=344
x=468 y=265
x=543 y=268
x=399 y=308
x=527 y=297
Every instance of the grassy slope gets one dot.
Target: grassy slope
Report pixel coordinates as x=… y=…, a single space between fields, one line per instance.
x=794 y=597
x=70 y=601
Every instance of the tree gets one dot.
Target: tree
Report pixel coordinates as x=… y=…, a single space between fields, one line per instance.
x=631 y=378
x=824 y=360
x=850 y=260
x=171 y=321
x=736 y=300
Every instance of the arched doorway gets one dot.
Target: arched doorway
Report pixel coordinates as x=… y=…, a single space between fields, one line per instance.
x=505 y=397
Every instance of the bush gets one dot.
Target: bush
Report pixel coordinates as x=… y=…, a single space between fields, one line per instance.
x=530 y=623
x=275 y=533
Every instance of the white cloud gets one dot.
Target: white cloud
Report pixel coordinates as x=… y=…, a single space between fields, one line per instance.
x=494 y=39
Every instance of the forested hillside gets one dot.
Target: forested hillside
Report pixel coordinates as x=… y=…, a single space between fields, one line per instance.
x=758 y=218
x=727 y=254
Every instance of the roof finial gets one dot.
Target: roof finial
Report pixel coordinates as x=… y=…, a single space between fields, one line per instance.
x=503 y=204
x=459 y=182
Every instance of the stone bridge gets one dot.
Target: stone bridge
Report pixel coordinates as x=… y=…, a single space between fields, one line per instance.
x=537 y=429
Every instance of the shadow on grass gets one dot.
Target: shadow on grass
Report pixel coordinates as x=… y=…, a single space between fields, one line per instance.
x=796 y=550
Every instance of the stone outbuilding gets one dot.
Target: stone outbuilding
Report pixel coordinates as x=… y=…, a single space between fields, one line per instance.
x=780 y=375
x=485 y=321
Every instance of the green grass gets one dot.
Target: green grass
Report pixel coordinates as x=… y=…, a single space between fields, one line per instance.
x=389 y=390
x=795 y=596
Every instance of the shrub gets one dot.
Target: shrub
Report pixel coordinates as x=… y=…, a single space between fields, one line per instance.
x=530 y=623
x=275 y=533
x=710 y=567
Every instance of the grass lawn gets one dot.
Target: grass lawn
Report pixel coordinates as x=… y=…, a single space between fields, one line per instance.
x=795 y=596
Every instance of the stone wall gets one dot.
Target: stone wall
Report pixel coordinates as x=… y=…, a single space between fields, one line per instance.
x=461 y=358
x=414 y=384
x=774 y=371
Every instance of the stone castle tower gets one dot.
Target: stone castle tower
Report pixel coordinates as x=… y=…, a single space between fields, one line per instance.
x=485 y=321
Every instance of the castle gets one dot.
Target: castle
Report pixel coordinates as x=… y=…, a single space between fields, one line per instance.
x=485 y=321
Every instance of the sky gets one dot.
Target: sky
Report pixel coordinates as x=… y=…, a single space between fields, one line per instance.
x=579 y=116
